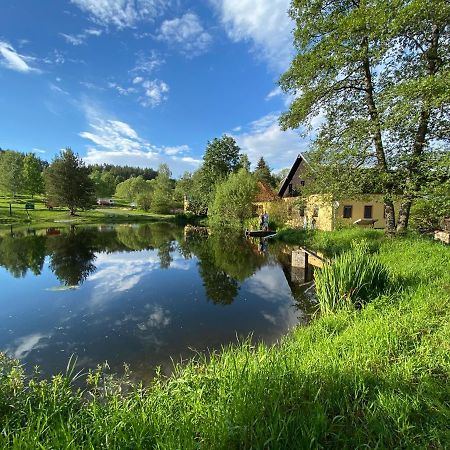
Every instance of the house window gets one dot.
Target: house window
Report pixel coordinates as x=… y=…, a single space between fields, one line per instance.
x=367 y=211
x=301 y=211
x=302 y=182
x=316 y=211
x=348 y=211
x=290 y=190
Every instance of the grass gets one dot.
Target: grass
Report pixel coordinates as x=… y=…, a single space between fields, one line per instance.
x=352 y=279
x=374 y=378
x=120 y=213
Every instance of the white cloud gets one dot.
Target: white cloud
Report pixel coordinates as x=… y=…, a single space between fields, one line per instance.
x=265 y=23
x=10 y=59
x=121 y=13
x=264 y=137
x=78 y=39
x=122 y=90
x=147 y=63
x=155 y=92
x=274 y=93
x=176 y=150
x=116 y=142
x=187 y=34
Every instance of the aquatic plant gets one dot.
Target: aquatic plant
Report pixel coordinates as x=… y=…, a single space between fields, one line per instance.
x=351 y=279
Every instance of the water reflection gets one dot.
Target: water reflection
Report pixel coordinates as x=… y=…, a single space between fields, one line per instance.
x=144 y=294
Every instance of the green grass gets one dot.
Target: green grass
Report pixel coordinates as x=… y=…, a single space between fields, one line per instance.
x=119 y=213
x=374 y=378
x=352 y=279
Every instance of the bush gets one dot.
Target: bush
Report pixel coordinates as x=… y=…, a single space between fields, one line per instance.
x=144 y=201
x=352 y=279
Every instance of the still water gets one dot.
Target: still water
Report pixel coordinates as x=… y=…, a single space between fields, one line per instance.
x=141 y=294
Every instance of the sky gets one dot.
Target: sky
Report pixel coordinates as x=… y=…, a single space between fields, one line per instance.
x=145 y=82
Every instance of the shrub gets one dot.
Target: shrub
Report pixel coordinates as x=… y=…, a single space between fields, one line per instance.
x=352 y=279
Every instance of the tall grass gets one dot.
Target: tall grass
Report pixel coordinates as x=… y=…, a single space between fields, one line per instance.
x=374 y=378
x=351 y=279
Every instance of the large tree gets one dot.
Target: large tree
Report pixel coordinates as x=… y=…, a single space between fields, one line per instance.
x=233 y=202
x=377 y=73
x=67 y=182
x=163 y=191
x=11 y=172
x=32 y=174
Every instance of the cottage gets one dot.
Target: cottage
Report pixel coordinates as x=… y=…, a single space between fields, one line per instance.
x=321 y=211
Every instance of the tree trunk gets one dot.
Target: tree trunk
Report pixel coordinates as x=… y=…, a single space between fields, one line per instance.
x=420 y=139
x=389 y=214
x=377 y=138
x=403 y=216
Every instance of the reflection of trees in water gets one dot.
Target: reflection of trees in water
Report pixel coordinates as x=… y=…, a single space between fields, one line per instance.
x=151 y=236
x=72 y=255
x=224 y=260
x=20 y=253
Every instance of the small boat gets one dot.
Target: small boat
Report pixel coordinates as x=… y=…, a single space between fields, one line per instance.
x=259 y=233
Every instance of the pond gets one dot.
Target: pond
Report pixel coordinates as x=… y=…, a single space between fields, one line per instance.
x=141 y=294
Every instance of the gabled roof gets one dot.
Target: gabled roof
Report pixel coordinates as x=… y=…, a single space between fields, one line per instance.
x=265 y=193
x=291 y=174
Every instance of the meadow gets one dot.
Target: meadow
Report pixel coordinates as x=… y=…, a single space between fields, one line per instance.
x=120 y=212
x=375 y=376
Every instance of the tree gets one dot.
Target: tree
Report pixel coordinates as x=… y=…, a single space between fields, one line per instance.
x=133 y=187
x=263 y=173
x=32 y=174
x=11 y=172
x=377 y=73
x=104 y=183
x=233 y=202
x=67 y=182
x=162 y=193
x=221 y=158
x=244 y=162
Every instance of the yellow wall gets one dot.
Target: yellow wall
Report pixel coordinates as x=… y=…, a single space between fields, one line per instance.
x=375 y=200
x=330 y=214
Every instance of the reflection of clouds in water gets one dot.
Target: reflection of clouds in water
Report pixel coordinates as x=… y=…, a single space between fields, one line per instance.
x=158 y=318
x=23 y=346
x=120 y=272
x=270 y=284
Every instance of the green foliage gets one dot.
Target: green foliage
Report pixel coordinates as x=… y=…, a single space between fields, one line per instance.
x=233 y=200
x=11 y=172
x=351 y=279
x=263 y=173
x=122 y=173
x=376 y=73
x=32 y=175
x=104 y=182
x=163 y=192
x=134 y=186
x=221 y=158
x=67 y=182
x=377 y=378
x=433 y=199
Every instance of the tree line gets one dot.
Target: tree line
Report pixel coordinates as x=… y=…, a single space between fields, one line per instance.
x=223 y=187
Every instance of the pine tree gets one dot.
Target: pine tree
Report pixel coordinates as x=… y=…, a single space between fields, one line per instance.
x=263 y=172
x=67 y=182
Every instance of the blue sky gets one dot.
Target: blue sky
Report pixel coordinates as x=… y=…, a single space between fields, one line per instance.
x=142 y=82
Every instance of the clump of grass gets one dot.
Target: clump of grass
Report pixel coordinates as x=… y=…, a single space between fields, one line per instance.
x=353 y=278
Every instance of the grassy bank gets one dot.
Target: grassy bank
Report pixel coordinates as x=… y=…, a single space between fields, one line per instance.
x=41 y=214
x=378 y=377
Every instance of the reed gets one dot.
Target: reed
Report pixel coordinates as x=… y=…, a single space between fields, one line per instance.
x=351 y=279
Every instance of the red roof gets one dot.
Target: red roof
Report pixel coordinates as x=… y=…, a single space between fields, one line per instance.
x=265 y=193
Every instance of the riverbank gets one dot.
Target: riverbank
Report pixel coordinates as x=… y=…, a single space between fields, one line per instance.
x=378 y=377
x=41 y=214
